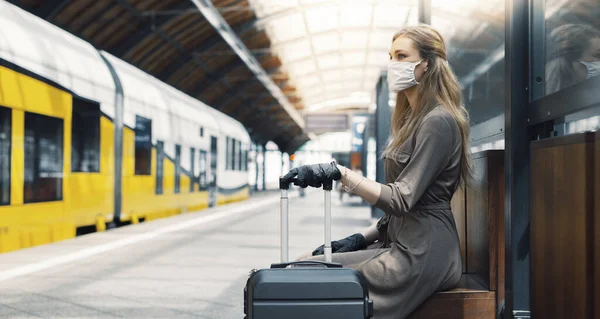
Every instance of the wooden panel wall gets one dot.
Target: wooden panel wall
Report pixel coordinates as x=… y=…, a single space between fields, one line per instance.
x=478 y=261
x=561 y=228
x=485 y=220
x=459 y=207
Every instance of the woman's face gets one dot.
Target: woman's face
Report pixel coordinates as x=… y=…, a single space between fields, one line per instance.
x=403 y=50
x=592 y=52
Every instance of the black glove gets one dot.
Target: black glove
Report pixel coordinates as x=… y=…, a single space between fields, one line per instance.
x=312 y=175
x=351 y=243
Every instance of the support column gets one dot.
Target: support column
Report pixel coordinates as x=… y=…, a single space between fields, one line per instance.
x=382 y=131
x=264 y=167
x=517 y=180
x=282 y=164
x=255 y=147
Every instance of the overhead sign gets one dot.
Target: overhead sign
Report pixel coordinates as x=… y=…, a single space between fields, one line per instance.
x=323 y=123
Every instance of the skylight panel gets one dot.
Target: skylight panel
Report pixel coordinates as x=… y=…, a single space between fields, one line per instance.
x=354 y=40
x=378 y=58
x=390 y=15
x=332 y=76
x=287 y=28
x=322 y=19
x=308 y=81
x=295 y=51
x=334 y=87
x=301 y=68
x=356 y=15
x=326 y=42
x=329 y=61
x=353 y=74
x=353 y=58
x=381 y=39
x=268 y=7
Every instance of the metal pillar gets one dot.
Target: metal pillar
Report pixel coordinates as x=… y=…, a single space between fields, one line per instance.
x=382 y=131
x=118 y=138
x=516 y=214
x=282 y=164
x=264 y=167
x=255 y=166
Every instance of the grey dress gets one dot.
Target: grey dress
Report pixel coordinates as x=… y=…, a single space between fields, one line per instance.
x=418 y=252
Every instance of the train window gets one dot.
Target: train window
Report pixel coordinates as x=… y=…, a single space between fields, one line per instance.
x=202 y=169
x=192 y=169
x=245 y=160
x=143 y=145
x=5 y=152
x=160 y=154
x=43 y=158
x=177 y=169
x=85 y=136
x=233 y=154
x=239 y=155
x=227 y=154
x=201 y=131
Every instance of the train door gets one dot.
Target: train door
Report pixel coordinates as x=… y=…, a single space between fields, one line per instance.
x=212 y=183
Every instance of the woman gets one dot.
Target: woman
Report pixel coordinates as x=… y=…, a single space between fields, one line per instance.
x=573 y=56
x=413 y=251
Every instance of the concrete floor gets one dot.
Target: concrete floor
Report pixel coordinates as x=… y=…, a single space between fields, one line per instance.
x=188 y=266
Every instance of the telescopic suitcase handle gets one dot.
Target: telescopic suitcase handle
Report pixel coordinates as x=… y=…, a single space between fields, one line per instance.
x=284 y=219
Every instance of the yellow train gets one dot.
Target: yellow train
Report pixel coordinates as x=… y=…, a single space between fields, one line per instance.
x=88 y=141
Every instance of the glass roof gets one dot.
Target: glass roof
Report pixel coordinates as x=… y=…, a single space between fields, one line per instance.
x=334 y=51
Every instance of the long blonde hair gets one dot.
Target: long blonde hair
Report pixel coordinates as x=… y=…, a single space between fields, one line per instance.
x=437 y=86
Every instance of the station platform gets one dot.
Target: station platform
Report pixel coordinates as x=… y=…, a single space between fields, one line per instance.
x=193 y=265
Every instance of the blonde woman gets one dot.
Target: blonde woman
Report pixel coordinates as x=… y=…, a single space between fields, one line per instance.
x=413 y=251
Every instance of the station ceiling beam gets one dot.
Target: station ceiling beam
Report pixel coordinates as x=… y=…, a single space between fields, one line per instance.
x=220 y=25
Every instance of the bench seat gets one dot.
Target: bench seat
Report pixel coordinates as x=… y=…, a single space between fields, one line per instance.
x=470 y=300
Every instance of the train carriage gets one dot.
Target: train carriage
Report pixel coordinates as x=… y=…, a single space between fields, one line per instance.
x=88 y=140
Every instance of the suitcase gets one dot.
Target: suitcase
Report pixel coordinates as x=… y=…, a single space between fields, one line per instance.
x=309 y=289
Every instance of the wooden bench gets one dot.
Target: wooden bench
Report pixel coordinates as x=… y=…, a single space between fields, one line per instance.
x=479 y=216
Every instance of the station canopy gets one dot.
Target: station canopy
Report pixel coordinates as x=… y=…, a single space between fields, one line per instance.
x=334 y=51
x=270 y=63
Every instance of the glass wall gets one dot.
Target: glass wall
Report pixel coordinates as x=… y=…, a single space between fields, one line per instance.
x=474 y=35
x=572 y=31
x=570 y=65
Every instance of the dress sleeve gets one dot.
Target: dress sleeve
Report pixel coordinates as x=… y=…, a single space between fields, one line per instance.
x=431 y=154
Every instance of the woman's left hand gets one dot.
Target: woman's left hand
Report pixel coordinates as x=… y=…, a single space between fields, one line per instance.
x=313 y=175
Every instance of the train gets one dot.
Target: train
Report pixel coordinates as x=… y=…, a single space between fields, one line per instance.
x=89 y=142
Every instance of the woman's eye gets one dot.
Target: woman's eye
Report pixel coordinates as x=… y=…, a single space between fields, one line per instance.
x=401 y=56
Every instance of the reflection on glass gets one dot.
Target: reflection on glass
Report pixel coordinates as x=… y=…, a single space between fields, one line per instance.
x=43 y=158
x=573 y=55
x=572 y=43
x=474 y=35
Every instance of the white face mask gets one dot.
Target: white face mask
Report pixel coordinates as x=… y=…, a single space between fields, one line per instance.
x=593 y=68
x=401 y=75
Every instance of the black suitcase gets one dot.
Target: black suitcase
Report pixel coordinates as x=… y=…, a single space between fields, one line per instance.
x=309 y=289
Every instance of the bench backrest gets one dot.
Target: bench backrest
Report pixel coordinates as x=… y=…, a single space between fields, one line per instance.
x=479 y=216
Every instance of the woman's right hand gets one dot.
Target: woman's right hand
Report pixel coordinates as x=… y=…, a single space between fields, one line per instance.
x=312 y=175
x=351 y=243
